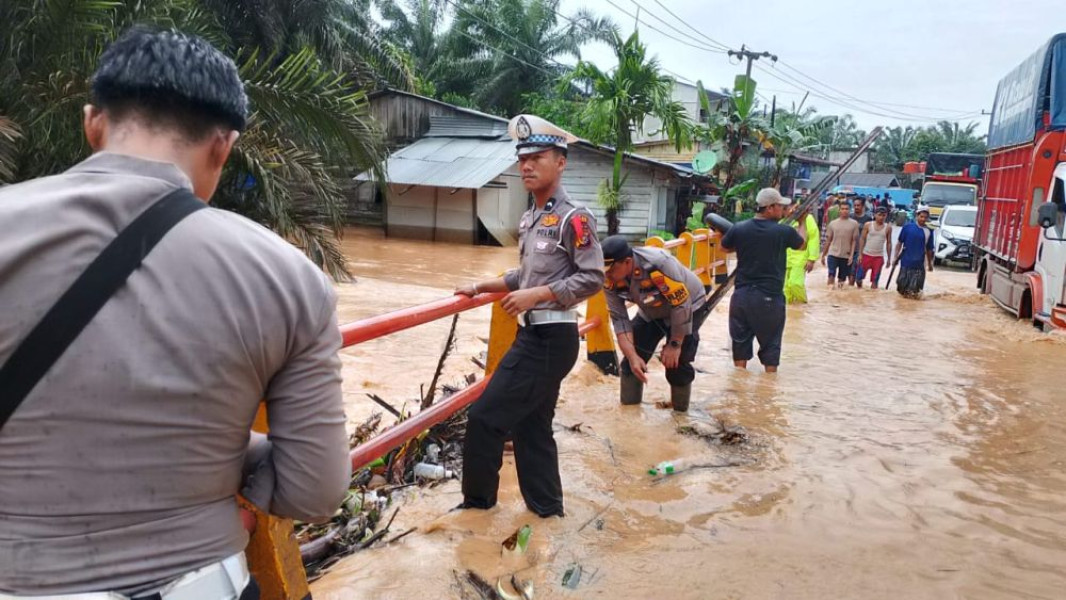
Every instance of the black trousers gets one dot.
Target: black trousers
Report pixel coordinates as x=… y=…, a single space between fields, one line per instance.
x=520 y=399
x=754 y=314
x=648 y=334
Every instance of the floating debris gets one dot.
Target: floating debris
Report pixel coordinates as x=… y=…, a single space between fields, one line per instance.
x=572 y=576
x=715 y=431
x=518 y=541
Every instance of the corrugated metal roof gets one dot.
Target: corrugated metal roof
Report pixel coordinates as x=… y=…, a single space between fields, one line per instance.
x=449 y=162
x=465 y=126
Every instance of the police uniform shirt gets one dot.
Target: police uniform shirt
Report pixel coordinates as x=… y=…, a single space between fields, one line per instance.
x=121 y=466
x=662 y=288
x=558 y=247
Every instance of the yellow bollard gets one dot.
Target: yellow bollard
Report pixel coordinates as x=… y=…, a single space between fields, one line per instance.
x=683 y=253
x=273 y=554
x=702 y=257
x=719 y=260
x=599 y=342
x=502 y=331
x=274 y=557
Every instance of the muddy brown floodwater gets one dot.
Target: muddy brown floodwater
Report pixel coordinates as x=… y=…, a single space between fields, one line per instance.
x=905 y=450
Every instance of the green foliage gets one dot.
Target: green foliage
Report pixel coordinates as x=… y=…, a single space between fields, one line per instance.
x=620 y=101
x=695 y=219
x=505 y=49
x=899 y=145
x=559 y=109
x=302 y=64
x=660 y=233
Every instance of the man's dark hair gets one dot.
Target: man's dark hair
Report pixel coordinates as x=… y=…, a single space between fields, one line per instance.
x=170 y=79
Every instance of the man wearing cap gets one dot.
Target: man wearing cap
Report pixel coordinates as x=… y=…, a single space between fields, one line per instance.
x=801 y=262
x=560 y=264
x=121 y=465
x=914 y=248
x=757 y=308
x=671 y=303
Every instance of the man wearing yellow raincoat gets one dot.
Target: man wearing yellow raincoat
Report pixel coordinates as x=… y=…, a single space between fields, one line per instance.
x=801 y=262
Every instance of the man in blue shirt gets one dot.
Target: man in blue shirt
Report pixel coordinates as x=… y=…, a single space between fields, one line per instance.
x=915 y=247
x=757 y=308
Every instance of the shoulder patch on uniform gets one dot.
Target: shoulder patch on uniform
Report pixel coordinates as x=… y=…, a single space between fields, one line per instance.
x=675 y=292
x=582 y=230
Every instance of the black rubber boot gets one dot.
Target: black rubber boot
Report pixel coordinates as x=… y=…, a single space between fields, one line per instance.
x=679 y=396
x=632 y=389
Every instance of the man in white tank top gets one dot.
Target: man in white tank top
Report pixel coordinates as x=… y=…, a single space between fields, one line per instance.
x=876 y=244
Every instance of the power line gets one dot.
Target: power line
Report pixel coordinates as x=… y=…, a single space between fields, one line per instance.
x=540 y=53
x=785 y=78
x=653 y=28
x=700 y=33
x=507 y=54
x=880 y=106
x=870 y=102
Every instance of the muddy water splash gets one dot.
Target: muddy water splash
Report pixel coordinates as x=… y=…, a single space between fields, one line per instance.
x=906 y=450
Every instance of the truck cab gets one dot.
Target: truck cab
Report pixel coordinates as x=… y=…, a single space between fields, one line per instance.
x=939 y=194
x=1051 y=255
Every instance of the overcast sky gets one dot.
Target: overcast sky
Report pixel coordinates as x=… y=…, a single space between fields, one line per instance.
x=944 y=57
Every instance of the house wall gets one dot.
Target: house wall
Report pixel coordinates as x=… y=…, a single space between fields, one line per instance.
x=645 y=189
x=431 y=214
x=405 y=119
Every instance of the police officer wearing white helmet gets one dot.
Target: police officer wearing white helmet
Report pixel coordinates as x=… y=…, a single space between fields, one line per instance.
x=560 y=265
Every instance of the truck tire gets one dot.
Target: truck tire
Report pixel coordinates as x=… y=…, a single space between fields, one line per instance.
x=982 y=273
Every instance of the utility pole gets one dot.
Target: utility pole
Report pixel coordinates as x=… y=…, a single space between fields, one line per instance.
x=751 y=56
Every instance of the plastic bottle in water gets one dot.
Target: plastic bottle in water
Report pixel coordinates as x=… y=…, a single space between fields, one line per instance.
x=667 y=467
x=433 y=454
x=428 y=471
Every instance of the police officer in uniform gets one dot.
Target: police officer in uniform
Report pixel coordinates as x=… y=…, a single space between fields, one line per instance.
x=119 y=470
x=671 y=303
x=561 y=264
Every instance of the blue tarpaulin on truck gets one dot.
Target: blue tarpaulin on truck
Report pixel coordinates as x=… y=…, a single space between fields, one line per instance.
x=1033 y=87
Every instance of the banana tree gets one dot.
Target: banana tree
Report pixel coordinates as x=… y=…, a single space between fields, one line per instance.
x=731 y=128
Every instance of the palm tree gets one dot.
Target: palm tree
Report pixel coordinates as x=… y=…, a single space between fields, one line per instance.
x=620 y=101
x=895 y=147
x=505 y=49
x=416 y=28
x=308 y=129
x=342 y=32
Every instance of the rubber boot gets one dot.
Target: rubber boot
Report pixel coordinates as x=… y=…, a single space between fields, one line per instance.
x=632 y=389
x=679 y=396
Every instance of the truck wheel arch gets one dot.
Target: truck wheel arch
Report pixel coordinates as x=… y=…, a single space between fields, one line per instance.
x=1032 y=298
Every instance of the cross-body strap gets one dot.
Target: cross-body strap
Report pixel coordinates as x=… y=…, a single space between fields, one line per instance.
x=62 y=324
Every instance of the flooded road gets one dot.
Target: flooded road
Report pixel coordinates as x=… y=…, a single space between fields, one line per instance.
x=905 y=450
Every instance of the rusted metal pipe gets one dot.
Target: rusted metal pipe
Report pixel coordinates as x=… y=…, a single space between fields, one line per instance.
x=381 y=325
x=370 y=450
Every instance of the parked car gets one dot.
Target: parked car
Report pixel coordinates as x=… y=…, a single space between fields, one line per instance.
x=955 y=234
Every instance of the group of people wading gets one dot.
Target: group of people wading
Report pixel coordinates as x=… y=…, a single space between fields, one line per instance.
x=144 y=329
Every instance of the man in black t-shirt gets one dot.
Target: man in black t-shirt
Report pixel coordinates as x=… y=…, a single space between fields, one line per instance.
x=757 y=309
